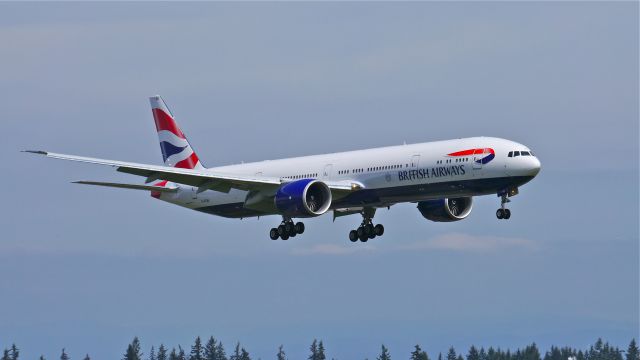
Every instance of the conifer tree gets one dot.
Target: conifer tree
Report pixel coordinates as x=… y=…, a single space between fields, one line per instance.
x=451 y=355
x=384 y=354
x=418 y=354
x=162 y=353
x=14 y=353
x=220 y=353
x=210 y=349
x=173 y=355
x=41 y=357
x=632 y=351
x=440 y=356
x=64 y=355
x=281 y=354
x=86 y=357
x=314 y=350
x=152 y=353
x=236 y=353
x=321 y=355
x=181 y=354
x=460 y=357
x=473 y=353
x=196 y=350
x=5 y=355
x=133 y=350
x=244 y=354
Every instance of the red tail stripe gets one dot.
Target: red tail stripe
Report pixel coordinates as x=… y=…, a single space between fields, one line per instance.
x=188 y=163
x=166 y=122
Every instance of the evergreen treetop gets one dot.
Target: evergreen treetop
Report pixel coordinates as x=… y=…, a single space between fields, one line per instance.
x=384 y=354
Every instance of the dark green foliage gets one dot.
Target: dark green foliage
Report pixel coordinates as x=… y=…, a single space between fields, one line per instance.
x=133 y=350
x=418 y=354
x=162 y=353
x=632 y=351
x=281 y=354
x=64 y=355
x=473 y=353
x=14 y=352
x=5 y=355
x=384 y=354
x=173 y=355
x=86 y=357
x=152 y=353
x=451 y=355
x=244 y=354
x=236 y=353
x=314 y=350
x=181 y=354
x=321 y=355
x=196 y=350
x=41 y=357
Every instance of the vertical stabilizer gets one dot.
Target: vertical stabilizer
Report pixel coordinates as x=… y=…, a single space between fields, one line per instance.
x=176 y=150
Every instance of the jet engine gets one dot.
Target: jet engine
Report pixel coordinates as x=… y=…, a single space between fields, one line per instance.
x=446 y=210
x=303 y=198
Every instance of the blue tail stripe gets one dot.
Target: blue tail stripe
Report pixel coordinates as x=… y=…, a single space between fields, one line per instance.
x=169 y=149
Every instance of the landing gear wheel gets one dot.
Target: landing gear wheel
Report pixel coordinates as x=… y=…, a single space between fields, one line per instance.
x=368 y=229
x=507 y=214
x=299 y=228
x=378 y=230
x=353 y=236
x=364 y=238
x=372 y=235
x=500 y=214
x=289 y=228
x=360 y=232
x=285 y=237
x=273 y=234
x=282 y=230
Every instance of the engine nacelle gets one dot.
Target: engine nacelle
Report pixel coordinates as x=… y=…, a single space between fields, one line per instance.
x=446 y=210
x=303 y=198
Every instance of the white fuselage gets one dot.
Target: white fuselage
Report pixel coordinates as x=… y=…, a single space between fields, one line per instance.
x=387 y=175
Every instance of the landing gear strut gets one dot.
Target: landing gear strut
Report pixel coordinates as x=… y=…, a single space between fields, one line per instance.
x=503 y=213
x=366 y=230
x=286 y=230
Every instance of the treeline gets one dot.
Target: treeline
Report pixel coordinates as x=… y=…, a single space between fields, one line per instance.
x=213 y=349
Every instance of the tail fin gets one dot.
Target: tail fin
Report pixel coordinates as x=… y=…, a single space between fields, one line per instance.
x=176 y=151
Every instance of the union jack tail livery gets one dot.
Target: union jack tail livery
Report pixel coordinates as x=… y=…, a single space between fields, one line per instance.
x=176 y=150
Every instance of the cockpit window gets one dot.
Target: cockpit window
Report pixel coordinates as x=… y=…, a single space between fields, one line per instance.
x=516 y=153
x=531 y=152
x=510 y=154
x=525 y=153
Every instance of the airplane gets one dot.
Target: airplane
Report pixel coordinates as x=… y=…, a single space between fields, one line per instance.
x=441 y=177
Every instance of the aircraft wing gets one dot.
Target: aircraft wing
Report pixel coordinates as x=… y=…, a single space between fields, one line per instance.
x=204 y=180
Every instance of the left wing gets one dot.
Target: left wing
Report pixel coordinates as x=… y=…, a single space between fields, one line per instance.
x=202 y=179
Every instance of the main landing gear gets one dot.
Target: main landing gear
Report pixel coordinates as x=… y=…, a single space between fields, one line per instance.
x=503 y=213
x=286 y=230
x=366 y=230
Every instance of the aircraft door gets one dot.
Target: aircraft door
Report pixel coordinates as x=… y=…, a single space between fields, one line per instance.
x=326 y=173
x=415 y=161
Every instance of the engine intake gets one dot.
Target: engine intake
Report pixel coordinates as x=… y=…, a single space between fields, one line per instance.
x=446 y=210
x=303 y=198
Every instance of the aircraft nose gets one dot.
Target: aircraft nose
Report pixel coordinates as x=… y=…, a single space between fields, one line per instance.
x=534 y=166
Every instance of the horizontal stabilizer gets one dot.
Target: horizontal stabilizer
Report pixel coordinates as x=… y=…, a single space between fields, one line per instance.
x=129 y=186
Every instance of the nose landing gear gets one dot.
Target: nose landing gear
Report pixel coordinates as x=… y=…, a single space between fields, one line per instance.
x=286 y=230
x=504 y=213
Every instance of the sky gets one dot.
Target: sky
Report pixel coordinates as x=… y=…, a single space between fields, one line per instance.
x=88 y=268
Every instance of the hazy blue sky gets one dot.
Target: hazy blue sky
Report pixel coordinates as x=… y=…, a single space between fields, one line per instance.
x=88 y=268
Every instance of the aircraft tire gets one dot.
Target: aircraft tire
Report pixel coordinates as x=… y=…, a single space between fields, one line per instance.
x=282 y=230
x=273 y=234
x=507 y=214
x=299 y=227
x=353 y=235
x=378 y=230
x=500 y=214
